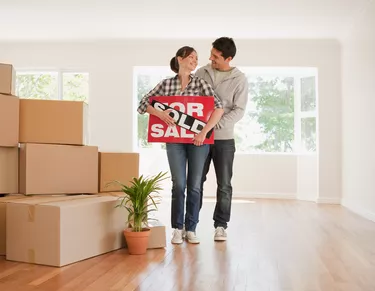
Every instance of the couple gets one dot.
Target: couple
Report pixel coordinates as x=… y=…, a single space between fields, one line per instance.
x=229 y=87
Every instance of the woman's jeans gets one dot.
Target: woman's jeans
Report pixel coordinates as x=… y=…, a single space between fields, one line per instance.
x=195 y=156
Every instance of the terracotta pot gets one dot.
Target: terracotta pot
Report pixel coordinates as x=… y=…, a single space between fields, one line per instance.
x=137 y=241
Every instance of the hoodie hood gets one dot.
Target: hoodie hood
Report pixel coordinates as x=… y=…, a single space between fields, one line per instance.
x=235 y=72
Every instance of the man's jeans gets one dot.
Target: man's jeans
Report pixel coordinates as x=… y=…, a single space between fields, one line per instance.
x=222 y=155
x=195 y=156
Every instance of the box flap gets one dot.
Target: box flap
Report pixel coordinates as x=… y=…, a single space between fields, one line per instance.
x=11 y=198
x=90 y=199
x=36 y=200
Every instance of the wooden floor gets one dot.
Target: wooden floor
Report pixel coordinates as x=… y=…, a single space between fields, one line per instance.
x=272 y=245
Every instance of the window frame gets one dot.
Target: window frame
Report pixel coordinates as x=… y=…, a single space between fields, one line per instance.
x=60 y=77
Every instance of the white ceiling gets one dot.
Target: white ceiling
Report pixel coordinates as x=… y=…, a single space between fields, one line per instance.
x=115 y=19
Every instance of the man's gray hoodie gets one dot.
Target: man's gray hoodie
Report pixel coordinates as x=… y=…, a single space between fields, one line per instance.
x=233 y=92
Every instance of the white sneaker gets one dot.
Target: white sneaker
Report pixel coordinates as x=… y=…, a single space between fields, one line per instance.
x=177 y=236
x=220 y=234
x=192 y=237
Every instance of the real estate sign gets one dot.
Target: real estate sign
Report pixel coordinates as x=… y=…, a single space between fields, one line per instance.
x=191 y=114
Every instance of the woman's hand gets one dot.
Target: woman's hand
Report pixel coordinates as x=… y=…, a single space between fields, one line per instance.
x=164 y=115
x=199 y=138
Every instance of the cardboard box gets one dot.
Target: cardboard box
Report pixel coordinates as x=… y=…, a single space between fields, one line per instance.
x=7 y=79
x=63 y=231
x=113 y=194
x=8 y=170
x=9 y=120
x=3 y=202
x=58 y=169
x=117 y=166
x=53 y=122
x=157 y=237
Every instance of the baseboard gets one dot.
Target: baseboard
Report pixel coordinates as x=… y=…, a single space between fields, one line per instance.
x=328 y=200
x=306 y=198
x=245 y=195
x=358 y=210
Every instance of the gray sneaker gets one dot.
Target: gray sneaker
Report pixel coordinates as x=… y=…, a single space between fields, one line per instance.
x=192 y=238
x=177 y=236
x=220 y=234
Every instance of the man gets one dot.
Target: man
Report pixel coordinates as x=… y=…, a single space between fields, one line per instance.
x=231 y=86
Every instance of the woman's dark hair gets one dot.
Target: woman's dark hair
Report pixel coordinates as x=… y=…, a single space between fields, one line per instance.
x=183 y=52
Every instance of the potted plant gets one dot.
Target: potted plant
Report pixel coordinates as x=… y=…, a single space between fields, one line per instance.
x=141 y=198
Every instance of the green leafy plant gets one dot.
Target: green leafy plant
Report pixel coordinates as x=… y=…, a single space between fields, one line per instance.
x=141 y=198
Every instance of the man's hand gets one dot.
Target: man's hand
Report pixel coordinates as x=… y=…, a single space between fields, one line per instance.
x=164 y=115
x=199 y=138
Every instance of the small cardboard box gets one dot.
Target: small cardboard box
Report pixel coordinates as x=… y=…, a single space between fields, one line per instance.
x=58 y=169
x=62 y=231
x=9 y=120
x=7 y=79
x=8 y=170
x=53 y=122
x=157 y=237
x=3 y=202
x=117 y=166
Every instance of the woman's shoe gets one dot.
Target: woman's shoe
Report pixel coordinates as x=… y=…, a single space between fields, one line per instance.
x=177 y=236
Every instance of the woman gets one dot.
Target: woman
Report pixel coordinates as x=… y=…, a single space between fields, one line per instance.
x=184 y=84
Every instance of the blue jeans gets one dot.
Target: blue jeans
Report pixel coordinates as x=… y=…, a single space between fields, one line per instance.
x=195 y=156
x=222 y=154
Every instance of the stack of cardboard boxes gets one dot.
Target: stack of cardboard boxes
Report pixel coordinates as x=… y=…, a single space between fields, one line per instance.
x=9 y=126
x=46 y=162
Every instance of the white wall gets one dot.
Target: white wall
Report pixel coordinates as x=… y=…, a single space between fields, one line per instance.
x=358 y=81
x=112 y=106
x=308 y=180
x=255 y=176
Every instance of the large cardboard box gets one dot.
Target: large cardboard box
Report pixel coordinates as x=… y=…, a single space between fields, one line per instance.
x=63 y=231
x=7 y=79
x=117 y=166
x=9 y=120
x=3 y=202
x=8 y=170
x=58 y=169
x=53 y=122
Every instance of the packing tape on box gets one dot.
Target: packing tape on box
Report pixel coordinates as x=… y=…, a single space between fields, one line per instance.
x=31 y=256
x=31 y=208
x=31 y=213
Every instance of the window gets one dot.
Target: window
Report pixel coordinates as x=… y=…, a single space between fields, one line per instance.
x=281 y=113
x=307 y=114
x=280 y=116
x=268 y=124
x=75 y=86
x=37 y=85
x=52 y=85
x=146 y=78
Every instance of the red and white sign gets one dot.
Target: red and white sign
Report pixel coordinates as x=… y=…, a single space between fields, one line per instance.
x=191 y=114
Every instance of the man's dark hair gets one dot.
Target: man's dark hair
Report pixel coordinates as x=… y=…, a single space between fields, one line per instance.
x=226 y=46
